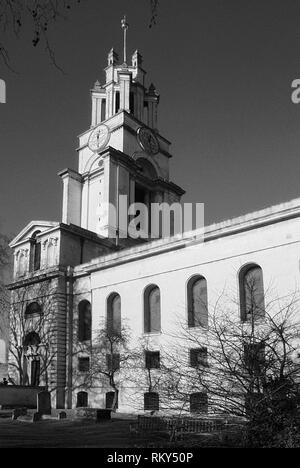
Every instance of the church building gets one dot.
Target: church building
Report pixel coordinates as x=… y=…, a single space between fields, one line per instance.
x=74 y=275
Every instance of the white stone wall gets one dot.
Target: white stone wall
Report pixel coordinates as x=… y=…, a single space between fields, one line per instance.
x=276 y=248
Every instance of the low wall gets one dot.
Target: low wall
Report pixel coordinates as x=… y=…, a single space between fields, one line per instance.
x=16 y=396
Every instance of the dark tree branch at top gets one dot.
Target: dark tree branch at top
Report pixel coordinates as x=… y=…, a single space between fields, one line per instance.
x=41 y=14
x=154 y=12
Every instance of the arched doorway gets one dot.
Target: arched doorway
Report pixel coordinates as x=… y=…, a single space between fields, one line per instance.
x=31 y=344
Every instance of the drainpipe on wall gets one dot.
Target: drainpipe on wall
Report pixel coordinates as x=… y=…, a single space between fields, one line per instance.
x=69 y=286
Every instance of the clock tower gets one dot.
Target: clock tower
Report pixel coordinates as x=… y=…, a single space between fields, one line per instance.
x=122 y=153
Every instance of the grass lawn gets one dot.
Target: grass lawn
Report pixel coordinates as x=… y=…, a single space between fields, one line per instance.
x=83 y=433
x=65 y=433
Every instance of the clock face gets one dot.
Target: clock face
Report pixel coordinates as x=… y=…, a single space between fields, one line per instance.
x=99 y=137
x=147 y=140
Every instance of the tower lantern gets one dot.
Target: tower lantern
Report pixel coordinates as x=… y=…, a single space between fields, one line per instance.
x=122 y=153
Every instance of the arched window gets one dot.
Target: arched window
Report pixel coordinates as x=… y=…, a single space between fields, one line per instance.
x=151 y=401
x=197 y=302
x=84 y=321
x=114 y=313
x=33 y=308
x=252 y=301
x=35 y=253
x=152 y=321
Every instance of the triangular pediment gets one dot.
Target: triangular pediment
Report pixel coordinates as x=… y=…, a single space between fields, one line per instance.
x=33 y=226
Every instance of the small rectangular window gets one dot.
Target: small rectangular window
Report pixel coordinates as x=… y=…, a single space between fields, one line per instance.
x=131 y=102
x=103 y=110
x=152 y=359
x=113 y=362
x=199 y=403
x=83 y=364
x=254 y=357
x=117 y=102
x=198 y=357
x=37 y=256
x=151 y=401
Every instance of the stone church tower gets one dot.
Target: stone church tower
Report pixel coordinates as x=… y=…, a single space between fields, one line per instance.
x=121 y=153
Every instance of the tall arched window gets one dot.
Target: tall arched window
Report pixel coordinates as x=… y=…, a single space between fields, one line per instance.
x=114 y=313
x=35 y=253
x=152 y=320
x=84 y=321
x=197 y=302
x=252 y=301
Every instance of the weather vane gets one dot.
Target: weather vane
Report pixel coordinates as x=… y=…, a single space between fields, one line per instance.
x=124 y=25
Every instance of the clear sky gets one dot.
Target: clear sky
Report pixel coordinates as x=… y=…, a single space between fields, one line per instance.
x=224 y=70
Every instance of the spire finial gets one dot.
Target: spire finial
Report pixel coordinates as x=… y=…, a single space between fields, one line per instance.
x=124 y=25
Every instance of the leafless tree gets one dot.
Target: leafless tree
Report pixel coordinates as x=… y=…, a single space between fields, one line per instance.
x=39 y=16
x=154 y=12
x=146 y=373
x=33 y=330
x=110 y=357
x=248 y=368
x=36 y=15
x=5 y=264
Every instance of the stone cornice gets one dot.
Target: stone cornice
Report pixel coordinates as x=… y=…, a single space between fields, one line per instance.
x=256 y=220
x=126 y=115
x=37 y=277
x=71 y=173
